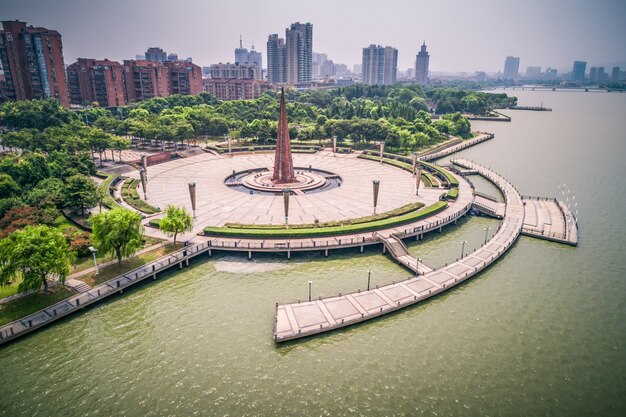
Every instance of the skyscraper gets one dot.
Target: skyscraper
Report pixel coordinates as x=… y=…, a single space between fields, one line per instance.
x=380 y=65
x=276 y=53
x=155 y=54
x=593 y=74
x=578 y=71
x=256 y=58
x=241 y=53
x=601 y=75
x=299 y=48
x=421 y=65
x=92 y=80
x=615 y=74
x=511 y=67
x=533 y=72
x=32 y=60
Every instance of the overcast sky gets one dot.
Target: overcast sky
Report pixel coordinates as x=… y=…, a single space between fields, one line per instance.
x=461 y=35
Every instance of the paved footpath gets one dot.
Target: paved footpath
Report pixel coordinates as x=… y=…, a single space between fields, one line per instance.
x=452 y=149
x=307 y=318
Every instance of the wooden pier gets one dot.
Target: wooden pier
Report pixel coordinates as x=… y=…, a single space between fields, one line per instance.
x=302 y=319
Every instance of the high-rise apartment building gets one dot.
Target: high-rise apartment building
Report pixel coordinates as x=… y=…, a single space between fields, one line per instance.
x=511 y=67
x=233 y=89
x=183 y=78
x=578 y=71
x=615 y=74
x=236 y=71
x=593 y=74
x=601 y=75
x=533 y=72
x=379 y=65
x=145 y=79
x=256 y=58
x=276 y=56
x=421 y=65
x=241 y=54
x=299 y=48
x=251 y=57
x=32 y=60
x=155 y=54
x=100 y=81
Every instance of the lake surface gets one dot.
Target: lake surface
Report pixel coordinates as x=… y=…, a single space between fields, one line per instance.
x=542 y=332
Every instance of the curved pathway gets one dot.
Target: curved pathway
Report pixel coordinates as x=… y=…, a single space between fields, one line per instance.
x=302 y=319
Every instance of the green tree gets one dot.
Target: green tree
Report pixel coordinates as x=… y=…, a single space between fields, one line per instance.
x=118 y=232
x=175 y=221
x=8 y=187
x=33 y=254
x=80 y=192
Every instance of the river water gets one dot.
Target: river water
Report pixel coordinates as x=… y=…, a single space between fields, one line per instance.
x=542 y=332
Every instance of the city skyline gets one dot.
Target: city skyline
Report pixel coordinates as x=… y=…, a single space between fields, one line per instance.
x=210 y=34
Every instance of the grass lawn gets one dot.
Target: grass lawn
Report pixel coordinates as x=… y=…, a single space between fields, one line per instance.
x=16 y=309
x=9 y=290
x=128 y=265
x=87 y=261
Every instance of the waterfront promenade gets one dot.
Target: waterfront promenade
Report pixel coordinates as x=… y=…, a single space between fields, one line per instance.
x=458 y=147
x=306 y=318
x=202 y=244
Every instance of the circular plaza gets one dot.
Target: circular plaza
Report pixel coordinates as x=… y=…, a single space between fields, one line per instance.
x=218 y=201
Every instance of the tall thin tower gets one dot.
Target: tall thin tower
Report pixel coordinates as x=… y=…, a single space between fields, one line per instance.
x=283 y=162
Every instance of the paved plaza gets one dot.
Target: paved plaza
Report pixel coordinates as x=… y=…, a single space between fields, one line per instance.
x=218 y=204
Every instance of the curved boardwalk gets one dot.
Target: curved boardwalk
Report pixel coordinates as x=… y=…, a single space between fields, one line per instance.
x=450 y=214
x=303 y=319
x=458 y=147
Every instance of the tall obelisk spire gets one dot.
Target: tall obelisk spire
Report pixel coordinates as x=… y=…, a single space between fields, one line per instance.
x=283 y=163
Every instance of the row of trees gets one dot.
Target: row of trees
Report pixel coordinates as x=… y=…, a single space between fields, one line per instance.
x=188 y=118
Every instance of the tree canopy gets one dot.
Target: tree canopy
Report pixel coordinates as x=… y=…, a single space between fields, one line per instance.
x=118 y=232
x=34 y=253
x=176 y=220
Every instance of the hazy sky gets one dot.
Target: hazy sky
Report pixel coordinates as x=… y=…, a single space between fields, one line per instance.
x=461 y=35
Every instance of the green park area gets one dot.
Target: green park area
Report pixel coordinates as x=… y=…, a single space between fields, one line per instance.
x=56 y=200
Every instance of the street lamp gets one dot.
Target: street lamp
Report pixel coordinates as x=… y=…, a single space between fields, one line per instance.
x=310 y=290
x=93 y=252
x=417 y=270
x=376 y=188
x=286 y=194
x=192 y=196
x=369 y=276
x=144 y=182
x=487 y=229
x=463 y=248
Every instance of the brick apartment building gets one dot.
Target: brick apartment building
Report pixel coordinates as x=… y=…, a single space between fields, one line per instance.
x=100 y=81
x=144 y=80
x=32 y=60
x=184 y=77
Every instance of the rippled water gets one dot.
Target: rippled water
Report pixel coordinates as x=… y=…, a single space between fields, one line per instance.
x=539 y=333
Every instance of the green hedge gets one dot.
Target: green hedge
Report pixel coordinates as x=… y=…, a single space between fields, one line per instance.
x=452 y=194
x=109 y=202
x=426 y=180
x=431 y=179
x=398 y=164
x=408 y=208
x=452 y=181
x=327 y=231
x=131 y=197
